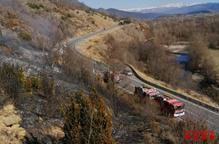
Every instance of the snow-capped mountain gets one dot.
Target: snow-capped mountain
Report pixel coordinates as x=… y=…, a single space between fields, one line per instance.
x=171 y=5
x=180 y=8
x=167 y=10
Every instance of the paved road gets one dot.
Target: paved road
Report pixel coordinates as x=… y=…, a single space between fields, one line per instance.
x=193 y=110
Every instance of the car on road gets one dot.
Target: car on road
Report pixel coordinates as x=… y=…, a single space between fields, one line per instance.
x=127 y=72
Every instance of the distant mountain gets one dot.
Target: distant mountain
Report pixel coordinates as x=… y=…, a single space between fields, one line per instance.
x=211 y=7
x=165 y=11
x=137 y=15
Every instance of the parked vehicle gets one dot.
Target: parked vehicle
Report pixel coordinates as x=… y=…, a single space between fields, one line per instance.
x=127 y=72
x=169 y=106
x=145 y=92
x=113 y=76
x=173 y=108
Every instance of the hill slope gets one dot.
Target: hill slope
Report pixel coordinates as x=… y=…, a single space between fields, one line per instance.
x=29 y=32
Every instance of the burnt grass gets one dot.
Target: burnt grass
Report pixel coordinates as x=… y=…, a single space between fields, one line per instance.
x=131 y=121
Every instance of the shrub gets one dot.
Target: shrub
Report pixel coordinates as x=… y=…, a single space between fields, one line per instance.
x=11 y=79
x=32 y=83
x=28 y=85
x=25 y=36
x=149 y=139
x=87 y=11
x=35 y=6
x=93 y=22
x=87 y=120
x=66 y=16
x=35 y=82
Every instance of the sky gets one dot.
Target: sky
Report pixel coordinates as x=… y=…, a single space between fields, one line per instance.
x=130 y=4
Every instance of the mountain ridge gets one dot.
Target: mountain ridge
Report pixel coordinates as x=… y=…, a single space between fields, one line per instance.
x=165 y=11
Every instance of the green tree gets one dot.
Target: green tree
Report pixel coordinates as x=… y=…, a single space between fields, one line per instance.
x=87 y=120
x=101 y=128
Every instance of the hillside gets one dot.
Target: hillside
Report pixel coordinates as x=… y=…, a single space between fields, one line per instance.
x=53 y=91
x=32 y=21
x=30 y=31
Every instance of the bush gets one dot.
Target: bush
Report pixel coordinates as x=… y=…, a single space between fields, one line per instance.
x=93 y=22
x=66 y=16
x=149 y=139
x=25 y=36
x=87 y=120
x=125 y=21
x=11 y=79
x=35 y=6
x=32 y=83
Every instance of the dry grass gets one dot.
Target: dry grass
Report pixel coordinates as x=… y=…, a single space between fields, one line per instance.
x=10 y=130
x=149 y=139
x=95 y=46
x=155 y=127
x=44 y=20
x=6 y=50
x=89 y=22
x=215 y=58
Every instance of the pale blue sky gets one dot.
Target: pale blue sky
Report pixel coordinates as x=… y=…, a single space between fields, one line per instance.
x=128 y=4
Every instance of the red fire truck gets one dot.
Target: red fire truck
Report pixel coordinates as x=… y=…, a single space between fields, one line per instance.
x=143 y=92
x=169 y=106
x=173 y=107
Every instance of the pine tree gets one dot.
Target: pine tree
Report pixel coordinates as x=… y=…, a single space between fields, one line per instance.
x=87 y=120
